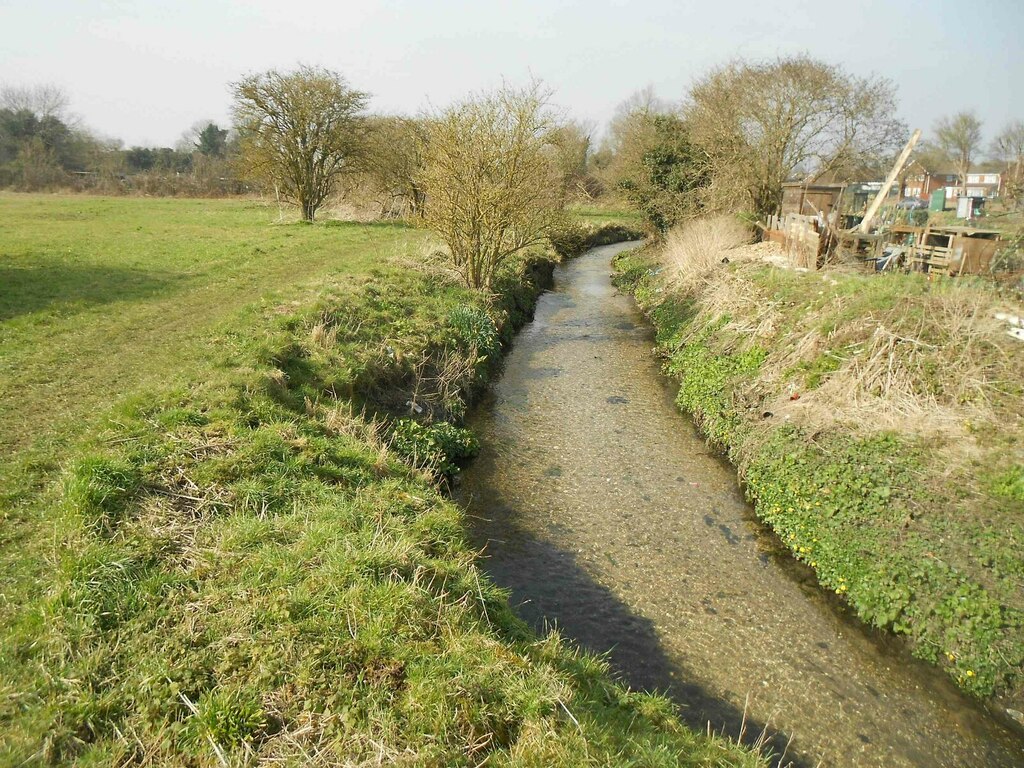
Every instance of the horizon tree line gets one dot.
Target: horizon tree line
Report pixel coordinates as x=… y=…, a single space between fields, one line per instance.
x=306 y=136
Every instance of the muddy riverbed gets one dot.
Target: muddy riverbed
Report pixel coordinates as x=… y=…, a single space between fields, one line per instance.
x=602 y=510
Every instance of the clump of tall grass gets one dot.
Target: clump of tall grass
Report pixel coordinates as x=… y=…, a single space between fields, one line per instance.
x=694 y=251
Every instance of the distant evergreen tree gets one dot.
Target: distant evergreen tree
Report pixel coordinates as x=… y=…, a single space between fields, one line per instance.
x=212 y=141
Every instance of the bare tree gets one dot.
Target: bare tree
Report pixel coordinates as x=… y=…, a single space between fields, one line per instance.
x=571 y=143
x=298 y=131
x=491 y=182
x=637 y=105
x=1008 y=147
x=763 y=124
x=43 y=101
x=393 y=163
x=959 y=138
x=625 y=139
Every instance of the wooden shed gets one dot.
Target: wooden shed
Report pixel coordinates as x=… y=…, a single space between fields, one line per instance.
x=810 y=199
x=956 y=250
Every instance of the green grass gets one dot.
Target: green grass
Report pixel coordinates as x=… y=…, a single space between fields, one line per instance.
x=596 y=215
x=920 y=534
x=150 y=278
x=231 y=564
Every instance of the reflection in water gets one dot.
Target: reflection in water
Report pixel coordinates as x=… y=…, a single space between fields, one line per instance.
x=603 y=512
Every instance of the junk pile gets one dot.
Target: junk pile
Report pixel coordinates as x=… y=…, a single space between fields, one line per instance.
x=813 y=231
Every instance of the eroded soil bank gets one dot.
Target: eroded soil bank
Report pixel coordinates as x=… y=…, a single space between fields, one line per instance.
x=604 y=512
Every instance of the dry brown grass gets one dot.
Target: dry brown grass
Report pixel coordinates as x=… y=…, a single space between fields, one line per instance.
x=694 y=251
x=927 y=363
x=927 y=366
x=697 y=257
x=324 y=334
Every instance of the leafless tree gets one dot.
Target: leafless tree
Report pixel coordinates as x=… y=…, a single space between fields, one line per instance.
x=959 y=138
x=491 y=183
x=761 y=124
x=1008 y=147
x=41 y=100
x=571 y=144
x=299 y=131
x=637 y=105
x=393 y=161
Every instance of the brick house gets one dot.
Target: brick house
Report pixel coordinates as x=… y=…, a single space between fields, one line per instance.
x=920 y=183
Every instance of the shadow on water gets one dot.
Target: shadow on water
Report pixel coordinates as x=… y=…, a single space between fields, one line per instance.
x=550 y=590
x=49 y=284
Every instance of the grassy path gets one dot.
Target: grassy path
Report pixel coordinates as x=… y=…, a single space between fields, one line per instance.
x=102 y=296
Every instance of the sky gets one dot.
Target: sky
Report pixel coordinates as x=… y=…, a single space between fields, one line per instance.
x=145 y=71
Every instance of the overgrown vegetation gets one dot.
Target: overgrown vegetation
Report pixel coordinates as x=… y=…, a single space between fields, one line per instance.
x=875 y=423
x=740 y=132
x=662 y=170
x=253 y=564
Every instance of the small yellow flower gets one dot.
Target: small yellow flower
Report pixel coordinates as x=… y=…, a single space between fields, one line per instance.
x=970 y=673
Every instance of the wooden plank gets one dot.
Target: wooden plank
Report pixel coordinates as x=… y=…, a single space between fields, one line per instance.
x=883 y=193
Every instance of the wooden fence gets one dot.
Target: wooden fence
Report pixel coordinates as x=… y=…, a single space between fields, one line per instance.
x=799 y=236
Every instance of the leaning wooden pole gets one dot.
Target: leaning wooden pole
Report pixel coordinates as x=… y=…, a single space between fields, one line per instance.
x=883 y=193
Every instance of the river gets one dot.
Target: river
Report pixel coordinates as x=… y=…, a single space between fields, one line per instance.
x=603 y=511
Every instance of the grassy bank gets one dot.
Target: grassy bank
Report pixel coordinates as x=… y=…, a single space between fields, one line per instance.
x=251 y=561
x=876 y=423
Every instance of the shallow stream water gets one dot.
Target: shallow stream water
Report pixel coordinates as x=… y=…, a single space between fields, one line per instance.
x=603 y=511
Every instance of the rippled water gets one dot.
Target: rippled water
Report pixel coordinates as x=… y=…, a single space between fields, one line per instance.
x=603 y=511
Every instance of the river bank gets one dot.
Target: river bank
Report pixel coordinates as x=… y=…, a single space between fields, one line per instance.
x=260 y=566
x=910 y=513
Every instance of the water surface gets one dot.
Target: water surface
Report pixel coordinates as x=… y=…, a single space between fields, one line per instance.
x=601 y=508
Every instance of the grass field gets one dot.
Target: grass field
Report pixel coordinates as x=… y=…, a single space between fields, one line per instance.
x=211 y=556
x=83 y=277
x=600 y=214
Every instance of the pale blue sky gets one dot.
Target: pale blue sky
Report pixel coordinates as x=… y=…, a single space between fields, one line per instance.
x=144 y=71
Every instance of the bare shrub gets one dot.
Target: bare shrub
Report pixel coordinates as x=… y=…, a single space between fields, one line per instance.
x=490 y=179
